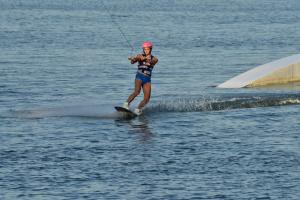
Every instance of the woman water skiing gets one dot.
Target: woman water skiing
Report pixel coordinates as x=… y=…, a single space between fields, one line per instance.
x=146 y=62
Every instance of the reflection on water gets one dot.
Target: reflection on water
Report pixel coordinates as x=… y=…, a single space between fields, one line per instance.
x=286 y=86
x=138 y=125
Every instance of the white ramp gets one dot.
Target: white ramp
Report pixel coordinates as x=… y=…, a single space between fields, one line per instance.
x=281 y=71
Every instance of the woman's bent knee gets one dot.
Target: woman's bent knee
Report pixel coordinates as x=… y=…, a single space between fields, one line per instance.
x=136 y=93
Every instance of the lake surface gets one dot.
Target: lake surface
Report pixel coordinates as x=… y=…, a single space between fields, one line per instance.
x=64 y=66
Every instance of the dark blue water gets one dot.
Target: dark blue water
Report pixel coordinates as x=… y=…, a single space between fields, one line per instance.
x=64 y=66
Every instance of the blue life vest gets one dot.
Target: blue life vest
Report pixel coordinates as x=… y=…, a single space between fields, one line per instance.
x=145 y=67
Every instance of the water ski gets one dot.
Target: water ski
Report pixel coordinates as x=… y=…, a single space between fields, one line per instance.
x=126 y=112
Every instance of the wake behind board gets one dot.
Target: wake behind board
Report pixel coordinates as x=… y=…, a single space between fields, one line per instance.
x=126 y=112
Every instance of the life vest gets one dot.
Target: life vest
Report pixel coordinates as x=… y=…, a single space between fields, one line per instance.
x=145 y=67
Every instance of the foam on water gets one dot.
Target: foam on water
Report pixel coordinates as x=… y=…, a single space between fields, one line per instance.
x=200 y=104
x=93 y=111
x=221 y=103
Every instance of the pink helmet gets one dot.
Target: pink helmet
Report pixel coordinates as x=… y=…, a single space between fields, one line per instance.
x=147 y=45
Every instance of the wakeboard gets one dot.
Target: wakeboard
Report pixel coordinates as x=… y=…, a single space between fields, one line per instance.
x=126 y=112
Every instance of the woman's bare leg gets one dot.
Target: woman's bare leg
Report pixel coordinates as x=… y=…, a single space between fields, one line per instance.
x=137 y=90
x=147 y=94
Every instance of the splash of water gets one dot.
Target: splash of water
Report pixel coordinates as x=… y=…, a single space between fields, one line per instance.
x=195 y=104
x=93 y=111
x=221 y=103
